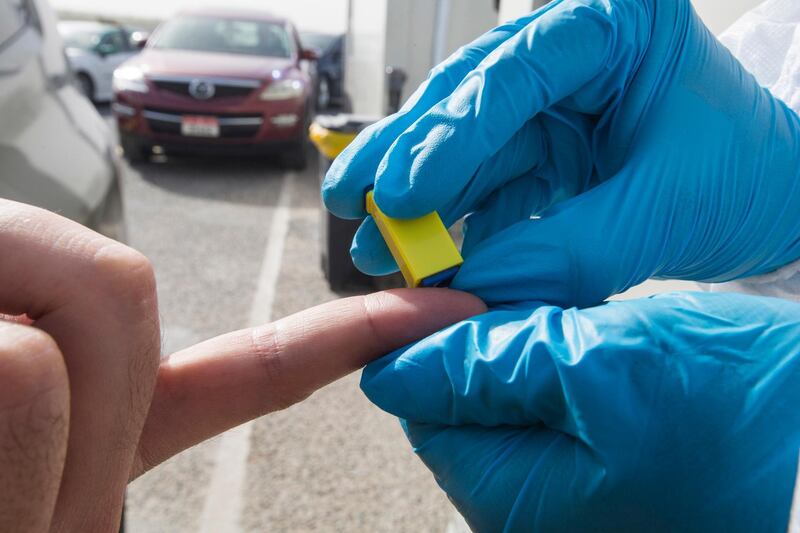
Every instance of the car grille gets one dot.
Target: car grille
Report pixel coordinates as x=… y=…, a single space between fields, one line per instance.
x=231 y=125
x=223 y=88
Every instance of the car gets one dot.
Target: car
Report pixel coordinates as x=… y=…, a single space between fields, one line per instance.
x=56 y=151
x=328 y=69
x=217 y=81
x=95 y=50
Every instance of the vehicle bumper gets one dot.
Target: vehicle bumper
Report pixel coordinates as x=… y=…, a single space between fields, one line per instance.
x=256 y=124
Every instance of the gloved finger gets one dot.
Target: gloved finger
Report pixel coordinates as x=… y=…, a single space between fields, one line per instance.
x=497 y=475
x=509 y=187
x=369 y=251
x=555 y=146
x=516 y=202
x=353 y=172
x=599 y=374
x=428 y=165
x=579 y=252
x=521 y=156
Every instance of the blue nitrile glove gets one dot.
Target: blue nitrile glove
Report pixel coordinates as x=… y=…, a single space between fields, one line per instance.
x=676 y=413
x=645 y=146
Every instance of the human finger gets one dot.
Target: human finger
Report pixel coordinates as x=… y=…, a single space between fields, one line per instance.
x=34 y=426
x=96 y=298
x=221 y=383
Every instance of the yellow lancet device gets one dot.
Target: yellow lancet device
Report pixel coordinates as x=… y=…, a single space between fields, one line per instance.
x=422 y=247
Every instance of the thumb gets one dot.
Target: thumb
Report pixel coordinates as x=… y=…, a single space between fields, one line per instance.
x=578 y=253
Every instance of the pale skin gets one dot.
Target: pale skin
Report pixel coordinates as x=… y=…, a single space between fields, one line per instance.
x=86 y=401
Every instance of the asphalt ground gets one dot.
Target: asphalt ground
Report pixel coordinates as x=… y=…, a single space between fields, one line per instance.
x=236 y=242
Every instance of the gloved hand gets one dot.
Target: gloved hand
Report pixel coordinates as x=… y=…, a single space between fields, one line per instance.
x=643 y=144
x=676 y=413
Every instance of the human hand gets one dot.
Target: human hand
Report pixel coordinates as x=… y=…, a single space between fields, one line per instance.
x=645 y=147
x=676 y=413
x=85 y=403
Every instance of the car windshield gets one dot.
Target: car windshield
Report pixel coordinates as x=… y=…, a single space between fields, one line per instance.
x=320 y=41
x=80 y=38
x=227 y=36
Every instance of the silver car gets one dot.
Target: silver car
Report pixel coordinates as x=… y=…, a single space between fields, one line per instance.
x=94 y=51
x=56 y=151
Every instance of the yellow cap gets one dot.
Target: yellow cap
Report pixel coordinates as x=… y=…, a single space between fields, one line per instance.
x=422 y=247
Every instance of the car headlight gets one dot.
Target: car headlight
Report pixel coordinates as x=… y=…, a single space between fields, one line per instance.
x=129 y=79
x=283 y=90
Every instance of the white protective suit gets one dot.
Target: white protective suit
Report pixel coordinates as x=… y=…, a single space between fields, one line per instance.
x=767 y=42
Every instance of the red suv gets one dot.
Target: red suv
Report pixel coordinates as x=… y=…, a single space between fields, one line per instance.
x=216 y=80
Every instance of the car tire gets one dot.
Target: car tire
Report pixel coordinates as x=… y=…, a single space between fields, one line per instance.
x=324 y=93
x=85 y=85
x=296 y=156
x=134 y=150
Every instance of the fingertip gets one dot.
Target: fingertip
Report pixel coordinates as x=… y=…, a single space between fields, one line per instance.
x=412 y=314
x=369 y=251
x=342 y=186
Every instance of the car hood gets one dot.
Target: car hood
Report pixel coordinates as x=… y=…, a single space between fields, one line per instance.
x=189 y=63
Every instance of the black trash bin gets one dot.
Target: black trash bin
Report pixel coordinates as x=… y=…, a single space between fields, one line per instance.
x=331 y=134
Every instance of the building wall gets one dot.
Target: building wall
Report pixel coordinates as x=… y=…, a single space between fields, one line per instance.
x=466 y=20
x=413 y=35
x=366 y=53
x=410 y=39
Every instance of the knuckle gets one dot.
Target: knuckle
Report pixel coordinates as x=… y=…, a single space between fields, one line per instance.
x=370 y=308
x=268 y=348
x=124 y=270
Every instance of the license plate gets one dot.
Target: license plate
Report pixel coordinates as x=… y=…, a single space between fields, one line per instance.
x=200 y=126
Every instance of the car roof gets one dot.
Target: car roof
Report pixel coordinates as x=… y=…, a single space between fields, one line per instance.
x=251 y=14
x=86 y=25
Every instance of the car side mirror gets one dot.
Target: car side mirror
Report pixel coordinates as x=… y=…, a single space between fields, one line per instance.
x=309 y=54
x=139 y=40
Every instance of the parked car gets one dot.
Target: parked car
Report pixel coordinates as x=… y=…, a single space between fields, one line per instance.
x=95 y=50
x=56 y=151
x=328 y=70
x=217 y=80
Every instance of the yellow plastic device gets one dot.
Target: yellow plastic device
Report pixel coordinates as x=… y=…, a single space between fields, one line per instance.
x=422 y=247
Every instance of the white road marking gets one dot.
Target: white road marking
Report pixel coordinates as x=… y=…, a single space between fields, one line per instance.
x=224 y=501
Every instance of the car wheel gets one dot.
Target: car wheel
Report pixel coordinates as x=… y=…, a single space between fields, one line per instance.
x=324 y=93
x=296 y=156
x=85 y=85
x=134 y=150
